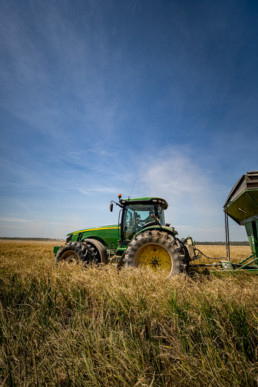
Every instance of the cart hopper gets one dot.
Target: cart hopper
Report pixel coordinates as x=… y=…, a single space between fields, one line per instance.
x=242 y=206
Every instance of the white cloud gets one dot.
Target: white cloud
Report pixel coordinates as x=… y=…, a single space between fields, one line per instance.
x=14 y=220
x=103 y=190
x=174 y=173
x=195 y=199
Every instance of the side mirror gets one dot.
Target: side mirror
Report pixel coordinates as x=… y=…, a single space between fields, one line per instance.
x=111 y=207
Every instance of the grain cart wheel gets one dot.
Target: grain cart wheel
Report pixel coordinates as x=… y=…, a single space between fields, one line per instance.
x=158 y=250
x=98 y=252
x=73 y=252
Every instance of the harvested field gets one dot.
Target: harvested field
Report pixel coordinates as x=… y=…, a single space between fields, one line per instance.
x=69 y=326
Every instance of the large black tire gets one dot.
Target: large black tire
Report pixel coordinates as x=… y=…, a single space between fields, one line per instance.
x=97 y=250
x=159 y=250
x=73 y=252
x=87 y=251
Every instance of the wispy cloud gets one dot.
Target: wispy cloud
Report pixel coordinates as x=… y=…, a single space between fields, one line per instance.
x=194 y=198
x=52 y=77
x=102 y=190
x=174 y=172
x=15 y=220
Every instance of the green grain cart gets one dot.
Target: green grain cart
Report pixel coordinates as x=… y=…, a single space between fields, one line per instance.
x=242 y=206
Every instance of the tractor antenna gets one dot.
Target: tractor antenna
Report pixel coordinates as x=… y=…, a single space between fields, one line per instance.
x=132 y=188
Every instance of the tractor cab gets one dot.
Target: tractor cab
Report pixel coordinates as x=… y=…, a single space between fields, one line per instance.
x=139 y=213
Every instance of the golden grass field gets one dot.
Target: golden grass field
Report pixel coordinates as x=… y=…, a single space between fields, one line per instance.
x=69 y=326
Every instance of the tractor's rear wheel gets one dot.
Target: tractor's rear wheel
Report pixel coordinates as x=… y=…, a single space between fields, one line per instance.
x=158 y=250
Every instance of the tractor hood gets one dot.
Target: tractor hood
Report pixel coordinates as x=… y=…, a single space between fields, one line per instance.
x=93 y=229
x=108 y=235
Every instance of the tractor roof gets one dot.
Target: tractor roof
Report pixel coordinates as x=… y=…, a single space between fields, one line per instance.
x=150 y=200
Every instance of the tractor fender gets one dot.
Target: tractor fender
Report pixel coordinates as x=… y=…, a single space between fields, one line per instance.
x=96 y=239
x=157 y=227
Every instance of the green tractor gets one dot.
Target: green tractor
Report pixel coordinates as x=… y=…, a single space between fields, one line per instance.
x=141 y=238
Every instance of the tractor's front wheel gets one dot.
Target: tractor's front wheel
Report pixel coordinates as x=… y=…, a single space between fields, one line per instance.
x=73 y=252
x=97 y=250
x=87 y=251
x=158 y=250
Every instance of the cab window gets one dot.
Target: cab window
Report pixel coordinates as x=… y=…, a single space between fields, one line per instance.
x=161 y=215
x=138 y=215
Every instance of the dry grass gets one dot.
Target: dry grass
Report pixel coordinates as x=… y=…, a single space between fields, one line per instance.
x=237 y=253
x=69 y=326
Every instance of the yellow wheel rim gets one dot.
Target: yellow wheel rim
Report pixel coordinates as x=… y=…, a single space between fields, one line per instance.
x=154 y=256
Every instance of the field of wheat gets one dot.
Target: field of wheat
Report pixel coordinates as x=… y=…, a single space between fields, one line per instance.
x=69 y=326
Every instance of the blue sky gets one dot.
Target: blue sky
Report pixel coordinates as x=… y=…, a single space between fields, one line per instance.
x=99 y=97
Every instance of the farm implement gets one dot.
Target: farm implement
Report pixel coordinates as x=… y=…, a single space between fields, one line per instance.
x=242 y=206
x=142 y=237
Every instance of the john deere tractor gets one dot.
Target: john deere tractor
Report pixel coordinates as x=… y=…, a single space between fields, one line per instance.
x=141 y=238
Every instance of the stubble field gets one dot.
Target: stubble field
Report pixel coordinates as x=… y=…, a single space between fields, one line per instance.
x=69 y=326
